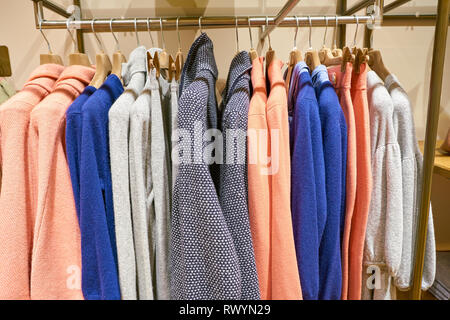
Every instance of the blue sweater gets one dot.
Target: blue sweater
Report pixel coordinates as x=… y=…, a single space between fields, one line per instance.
x=73 y=142
x=308 y=196
x=98 y=243
x=334 y=130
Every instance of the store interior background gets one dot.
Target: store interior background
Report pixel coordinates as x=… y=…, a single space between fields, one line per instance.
x=406 y=51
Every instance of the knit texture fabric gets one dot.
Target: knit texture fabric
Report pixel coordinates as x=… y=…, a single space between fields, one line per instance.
x=412 y=175
x=16 y=215
x=342 y=83
x=233 y=184
x=133 y=75
x=98 y=241
x=56 y=239
x=204 y=260
x=141 y=192
x=383 y=244
x=363 y=183
x=334 y=139
x=308 y=199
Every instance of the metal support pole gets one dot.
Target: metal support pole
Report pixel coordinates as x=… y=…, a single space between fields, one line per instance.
x=290 y=4
x=368 y=32
x=394 y=5
x=437 y=70
x=359 y=6
x=340 y=9
x=80 y=39
x=53 y=7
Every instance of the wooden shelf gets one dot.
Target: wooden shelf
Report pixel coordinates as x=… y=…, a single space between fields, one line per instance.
x=441 y=162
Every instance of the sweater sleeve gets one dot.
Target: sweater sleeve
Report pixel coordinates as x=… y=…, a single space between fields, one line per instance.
x=118 y=145
x=304 y=203
x=99 y=266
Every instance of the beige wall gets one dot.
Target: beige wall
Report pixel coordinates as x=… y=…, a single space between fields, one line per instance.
x=407 y=51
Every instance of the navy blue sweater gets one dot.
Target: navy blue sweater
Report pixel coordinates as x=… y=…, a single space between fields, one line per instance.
x=73 y=141
x=308 y=196
x=98 y=243
x=334 y=132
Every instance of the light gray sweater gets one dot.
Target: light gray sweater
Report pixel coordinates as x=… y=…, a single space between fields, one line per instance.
x=141 y=191
x=133 y=74
x=383 y=243
x=412 y=172
x=161 y=182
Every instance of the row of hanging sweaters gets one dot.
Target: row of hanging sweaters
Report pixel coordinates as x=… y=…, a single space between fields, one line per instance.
x=143 y=188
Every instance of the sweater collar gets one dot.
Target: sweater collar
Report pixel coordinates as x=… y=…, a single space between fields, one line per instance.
x=199 y=58
x=136 y=63
x=76 y=76
x=45 y=76
x=239 y=65
x=258 y=78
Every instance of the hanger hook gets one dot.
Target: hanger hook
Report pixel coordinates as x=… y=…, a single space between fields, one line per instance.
x=75 y=44
x=150 y=32
x=178 y=34
x=371 y=33
x=356 y=31
x=310 y=31
x=136 y=32
x=162 y=33
x=45 y=38
x=237 y=33
x=296 y=31
x=96 y=36
x=326 y=29
x=200 y=24
x=268 y=35
x=114 y=36
x=335 y=32
x=250 y=32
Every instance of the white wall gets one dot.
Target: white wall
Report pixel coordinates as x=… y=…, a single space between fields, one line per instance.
x=407 y=51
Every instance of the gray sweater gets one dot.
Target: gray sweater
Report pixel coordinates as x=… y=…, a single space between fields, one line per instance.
x=133 y=74
x=383 y=243
x=142 y=192
x=412 y=172
x=159 y=161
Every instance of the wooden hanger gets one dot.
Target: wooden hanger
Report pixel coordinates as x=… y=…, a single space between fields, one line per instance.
x=337 y=52
x=77 y=58
x=347 y=56
x=153 y=63
x=253 y=54
x=164 y=60
x=270 y=53
x=103 y=65
x=376 y=64
x=49 y=57
x=325 y=55
x=295 y=56
x=117 y=58
x=360 y=58
x=179 y=59
x=311 y=56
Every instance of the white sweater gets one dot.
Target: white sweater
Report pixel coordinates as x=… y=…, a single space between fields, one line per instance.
x=412 y=171
x=383 y=243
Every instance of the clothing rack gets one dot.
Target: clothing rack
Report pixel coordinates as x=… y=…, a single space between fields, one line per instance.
x=344 y=16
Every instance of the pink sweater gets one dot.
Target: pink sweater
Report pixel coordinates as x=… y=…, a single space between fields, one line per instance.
x=56 y=256
x=16 y=231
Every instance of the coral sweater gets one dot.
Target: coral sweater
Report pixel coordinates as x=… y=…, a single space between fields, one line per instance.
x=285 y=279
x=56 y=255
x=364 y=182
x=16 y=220
x=342 y=82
